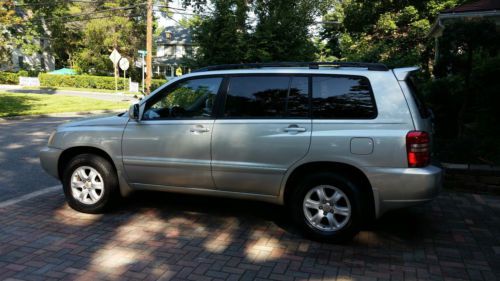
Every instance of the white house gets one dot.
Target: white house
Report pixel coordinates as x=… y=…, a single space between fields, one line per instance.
x=38 y=60
x=173 y=44
x=42 y=60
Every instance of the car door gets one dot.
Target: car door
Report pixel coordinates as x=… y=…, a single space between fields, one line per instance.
x=262 y=130
x=170 y=145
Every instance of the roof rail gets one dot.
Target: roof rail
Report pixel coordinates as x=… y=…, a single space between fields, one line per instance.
x=311 y=65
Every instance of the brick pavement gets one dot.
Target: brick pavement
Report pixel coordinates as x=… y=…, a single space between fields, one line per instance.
x=165 y=236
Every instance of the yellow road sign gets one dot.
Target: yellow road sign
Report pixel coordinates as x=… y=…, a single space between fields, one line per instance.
x=178 y=71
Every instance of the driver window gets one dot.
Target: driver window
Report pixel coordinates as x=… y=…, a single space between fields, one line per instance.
x=189 y=99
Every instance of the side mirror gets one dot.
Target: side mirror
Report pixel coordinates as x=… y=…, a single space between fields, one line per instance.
x=133 y=112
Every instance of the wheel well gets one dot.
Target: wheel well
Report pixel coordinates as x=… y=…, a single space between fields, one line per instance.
x=347 y=170
x=69 y=153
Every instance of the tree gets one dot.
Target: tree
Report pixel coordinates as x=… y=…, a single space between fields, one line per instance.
x=278 y=32
x=222 y=37
x=123 y=30
x=392 y=32
x=9 y=20
x=461 y=44
x=282 y=31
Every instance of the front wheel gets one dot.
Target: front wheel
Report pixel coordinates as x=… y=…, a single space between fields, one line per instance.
x=90 y=183
x=327 y=207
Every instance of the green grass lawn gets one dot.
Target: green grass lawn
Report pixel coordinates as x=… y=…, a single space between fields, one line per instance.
x=35 y=104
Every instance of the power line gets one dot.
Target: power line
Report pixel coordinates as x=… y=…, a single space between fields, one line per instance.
x=52 y=3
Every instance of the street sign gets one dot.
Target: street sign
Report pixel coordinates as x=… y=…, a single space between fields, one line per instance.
x=178 y=71
x=142 y=52
x=115 y=56
x=124 y=64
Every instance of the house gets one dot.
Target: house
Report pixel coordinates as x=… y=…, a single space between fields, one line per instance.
x=483 y=9
x=173 y=44
x=41 y=60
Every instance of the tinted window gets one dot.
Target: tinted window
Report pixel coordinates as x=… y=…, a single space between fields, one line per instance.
x=187 y=99
x=267 y=97
x=413 y=84
x=256 y=96
x=342 y=97
x=298 y=98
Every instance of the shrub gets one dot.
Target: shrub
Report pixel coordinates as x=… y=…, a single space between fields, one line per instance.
x=10 y=78
x=23 y=73
x=89 y=81
x=157 y=83
x=82 y=81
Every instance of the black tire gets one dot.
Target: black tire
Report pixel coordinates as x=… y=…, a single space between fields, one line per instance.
x=105 y=169
x=347 y=186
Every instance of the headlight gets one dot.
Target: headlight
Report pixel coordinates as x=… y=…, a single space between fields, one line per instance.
x=51 y=138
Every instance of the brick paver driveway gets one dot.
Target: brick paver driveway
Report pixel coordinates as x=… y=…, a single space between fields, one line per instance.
x=166 y=236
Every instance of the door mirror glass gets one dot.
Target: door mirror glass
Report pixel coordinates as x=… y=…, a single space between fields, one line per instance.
x=133 y=112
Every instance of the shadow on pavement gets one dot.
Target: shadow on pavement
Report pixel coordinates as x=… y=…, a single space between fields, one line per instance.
x=162 y=236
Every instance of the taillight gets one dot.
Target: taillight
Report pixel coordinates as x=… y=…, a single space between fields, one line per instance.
x=418 y=149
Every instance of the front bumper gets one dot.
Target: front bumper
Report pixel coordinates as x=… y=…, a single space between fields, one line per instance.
x=403 y=187
x=49 y=158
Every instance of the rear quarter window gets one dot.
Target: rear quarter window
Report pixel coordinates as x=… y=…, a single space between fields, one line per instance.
x=342 y=97
x=414 y=85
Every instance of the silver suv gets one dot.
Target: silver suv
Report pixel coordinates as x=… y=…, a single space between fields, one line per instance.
x=337 y=143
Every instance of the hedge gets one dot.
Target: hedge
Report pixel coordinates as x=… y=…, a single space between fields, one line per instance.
x=89 y=81
x=9 y=78
x=156 y=83
x=81 y=81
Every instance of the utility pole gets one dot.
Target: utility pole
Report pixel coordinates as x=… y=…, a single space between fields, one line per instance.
x=149 y=45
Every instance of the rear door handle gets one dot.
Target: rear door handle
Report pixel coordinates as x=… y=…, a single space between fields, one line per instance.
x=199 y=129
x=295 y=129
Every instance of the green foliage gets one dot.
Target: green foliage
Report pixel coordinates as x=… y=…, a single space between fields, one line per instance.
x=461 y=42
x=10 y=78
x=392 y=32
x=89 y=81
x=281 y=32
x=101 y=36
x=157 y=83
x=222 y=37
x=81 y=81
x=8 y=21
x=465 y=95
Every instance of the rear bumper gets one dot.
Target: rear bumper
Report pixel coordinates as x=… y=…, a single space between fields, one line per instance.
x=403 y=187
x=49 y=158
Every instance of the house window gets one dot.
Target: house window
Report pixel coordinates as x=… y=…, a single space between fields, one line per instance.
x=170 y=50
x=20 y=61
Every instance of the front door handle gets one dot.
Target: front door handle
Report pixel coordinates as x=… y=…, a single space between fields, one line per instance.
x=199 y=129
x=295 y=129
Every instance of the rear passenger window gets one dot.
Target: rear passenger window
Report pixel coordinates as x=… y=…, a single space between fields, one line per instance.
x=267 y=97
x=342 y=97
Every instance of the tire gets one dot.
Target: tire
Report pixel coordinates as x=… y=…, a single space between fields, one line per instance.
x=101 y=190
x=339 y=225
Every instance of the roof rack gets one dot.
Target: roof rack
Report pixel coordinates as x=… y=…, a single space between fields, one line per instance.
x=311 y=65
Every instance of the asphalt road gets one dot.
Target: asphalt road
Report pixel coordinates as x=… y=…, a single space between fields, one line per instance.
x=20 y=143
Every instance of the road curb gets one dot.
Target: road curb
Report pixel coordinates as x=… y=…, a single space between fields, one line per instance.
x=62 y=114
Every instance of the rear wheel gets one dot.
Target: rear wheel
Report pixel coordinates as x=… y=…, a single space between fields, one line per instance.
x=90 y=183
x=327 y=206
